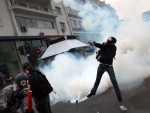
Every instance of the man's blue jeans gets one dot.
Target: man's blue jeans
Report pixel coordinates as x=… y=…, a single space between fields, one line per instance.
x=101 y=69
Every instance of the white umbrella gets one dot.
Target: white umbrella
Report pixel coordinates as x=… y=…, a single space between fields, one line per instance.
x=61 y=47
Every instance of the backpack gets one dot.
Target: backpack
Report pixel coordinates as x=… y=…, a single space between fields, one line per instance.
x=43 y=85
x=98 y=54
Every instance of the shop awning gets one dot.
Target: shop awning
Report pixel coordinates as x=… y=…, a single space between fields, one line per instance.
x=61 y=47
x=21 y=37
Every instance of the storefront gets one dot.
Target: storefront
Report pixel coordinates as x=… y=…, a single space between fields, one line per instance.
x=11 y=59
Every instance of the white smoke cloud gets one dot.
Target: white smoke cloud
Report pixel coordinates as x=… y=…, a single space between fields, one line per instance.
x=98 y=19
x=130 y=9
x=73 y=78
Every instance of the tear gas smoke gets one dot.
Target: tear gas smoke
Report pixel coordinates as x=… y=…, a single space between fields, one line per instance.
x=130 y=9
x=73 y=78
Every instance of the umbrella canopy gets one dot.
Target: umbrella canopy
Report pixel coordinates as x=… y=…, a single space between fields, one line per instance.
x=61 y=47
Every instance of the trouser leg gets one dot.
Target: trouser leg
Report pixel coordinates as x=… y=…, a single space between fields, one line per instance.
x=100 y=72
x=44 y=108
x=111 y=73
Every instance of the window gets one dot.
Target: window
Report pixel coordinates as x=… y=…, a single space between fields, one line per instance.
x=51 y=25
x=34 y=23
x=24 y=22
x=40 y=24
x=30 y=23
x=0 y=22
x=80 y=24
x=74 y=23
x=58 y=10
x=69 y=10
x=46 y=25
x=62 y=25
x=18 y=19
x=75 y=12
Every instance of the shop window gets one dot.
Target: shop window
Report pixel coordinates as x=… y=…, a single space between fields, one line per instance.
x=33 y=43
x=9 y=61
x=36 y=43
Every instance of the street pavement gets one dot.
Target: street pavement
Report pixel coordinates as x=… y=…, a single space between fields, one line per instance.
x=136 y=101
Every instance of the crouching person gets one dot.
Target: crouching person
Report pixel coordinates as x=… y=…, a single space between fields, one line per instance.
x=14 y=96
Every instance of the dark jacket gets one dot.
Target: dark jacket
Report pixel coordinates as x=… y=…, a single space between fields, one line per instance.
x=35 y=92
x=108 y=52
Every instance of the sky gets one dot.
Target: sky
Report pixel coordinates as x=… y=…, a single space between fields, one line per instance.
x=130 y=9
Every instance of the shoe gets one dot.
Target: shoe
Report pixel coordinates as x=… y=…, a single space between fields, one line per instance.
x=123 y=108
x=90 y=94
x=119 y=99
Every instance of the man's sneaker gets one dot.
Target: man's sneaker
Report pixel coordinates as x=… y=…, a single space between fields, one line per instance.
x=90 y=94
x=123 y=108
x=119 y=99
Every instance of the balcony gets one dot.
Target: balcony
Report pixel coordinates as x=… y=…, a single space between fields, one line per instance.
x=39 y=1
x=32 y=8
x=77 y=29
x=74 y=16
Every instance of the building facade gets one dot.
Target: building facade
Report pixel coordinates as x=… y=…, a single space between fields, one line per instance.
x=33 y=24
x=24 y=24
x=75 y=21
x=146 y=16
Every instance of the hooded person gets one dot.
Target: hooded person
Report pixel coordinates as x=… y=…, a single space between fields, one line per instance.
x=14 y=96
x=40 y=87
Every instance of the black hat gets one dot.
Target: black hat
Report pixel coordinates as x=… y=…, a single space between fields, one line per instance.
x=111 y=40
x=21 y=81
x=26 y=65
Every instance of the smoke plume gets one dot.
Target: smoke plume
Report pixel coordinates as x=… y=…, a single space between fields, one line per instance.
x=72 y=77
x=130 y=9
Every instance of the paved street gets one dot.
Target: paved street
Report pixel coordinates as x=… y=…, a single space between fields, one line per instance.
x=137 y=101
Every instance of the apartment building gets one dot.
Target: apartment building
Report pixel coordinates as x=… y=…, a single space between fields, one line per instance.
x=32 y=24
x=75 y=21
x=28 y=24
x=146 y=16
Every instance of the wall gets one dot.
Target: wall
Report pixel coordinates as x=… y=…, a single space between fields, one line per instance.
x=61 y=18
x=6 y=27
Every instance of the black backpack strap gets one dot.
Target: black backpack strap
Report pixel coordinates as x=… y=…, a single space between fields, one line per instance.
x=38 y=75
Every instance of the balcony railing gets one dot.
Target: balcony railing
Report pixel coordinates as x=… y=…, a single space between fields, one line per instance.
x=31 y=6
x=78 y=29
x=74 y=16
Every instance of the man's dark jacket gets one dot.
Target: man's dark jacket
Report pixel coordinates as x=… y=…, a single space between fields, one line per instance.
x=108 y=52
x=33 y=84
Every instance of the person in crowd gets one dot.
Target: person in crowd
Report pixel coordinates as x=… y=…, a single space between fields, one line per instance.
x=38 y=88
x=7 y=78
x=2 y=83
x=13 y=97
x=105 y=56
